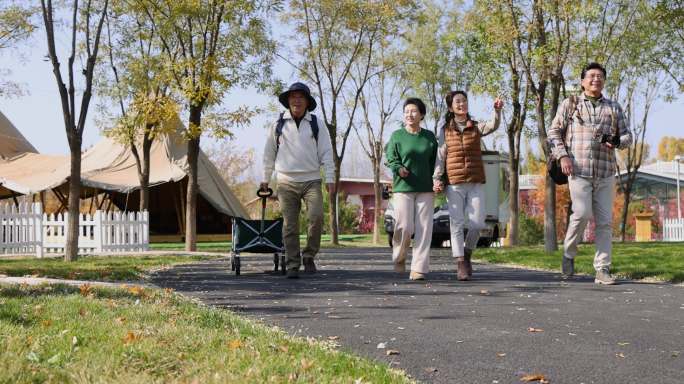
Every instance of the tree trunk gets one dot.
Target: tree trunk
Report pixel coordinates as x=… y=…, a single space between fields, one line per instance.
x=550 y=236
x=71 y=249
x=625 y=209
x=332 y=206
x=145 y=174
x=377 y=191
x=513 y=203
x=191 y=196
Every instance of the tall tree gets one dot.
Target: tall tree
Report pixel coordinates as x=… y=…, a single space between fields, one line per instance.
x=86 y=24
x=491 y=26
x=138 y=83
x=543 y=43
x=336 y=37
x=669 y=147
x=210 y=47
x=434 y=57
x=379 y=100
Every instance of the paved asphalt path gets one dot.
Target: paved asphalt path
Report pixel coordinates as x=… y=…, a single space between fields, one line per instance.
x=504 y=324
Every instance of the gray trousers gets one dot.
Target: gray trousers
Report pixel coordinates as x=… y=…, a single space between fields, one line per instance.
x=465 y=201
x=591 y=196
x=290 y=196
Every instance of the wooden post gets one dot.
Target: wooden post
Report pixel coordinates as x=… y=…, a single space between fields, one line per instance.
x=643 y=226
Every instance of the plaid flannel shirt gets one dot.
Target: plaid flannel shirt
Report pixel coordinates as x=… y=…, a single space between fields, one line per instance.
x=577 y=134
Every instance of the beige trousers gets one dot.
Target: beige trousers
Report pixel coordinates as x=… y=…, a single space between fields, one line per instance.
x=413 y=213
x=591 y=196
x=290 y=196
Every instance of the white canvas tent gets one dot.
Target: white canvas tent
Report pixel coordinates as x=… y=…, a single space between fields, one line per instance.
x=111 y=167
x=12 y=142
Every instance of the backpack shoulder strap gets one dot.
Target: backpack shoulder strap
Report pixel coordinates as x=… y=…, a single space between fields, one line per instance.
x=279 y=130
x=314 y=127
x=572 y=107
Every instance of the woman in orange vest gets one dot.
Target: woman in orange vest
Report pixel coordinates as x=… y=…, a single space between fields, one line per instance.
x=459 y=156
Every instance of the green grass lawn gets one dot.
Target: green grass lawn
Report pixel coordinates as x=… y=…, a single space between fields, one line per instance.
x=62 y=334
x=658 y=261
x=104 y=268
x=363 y=240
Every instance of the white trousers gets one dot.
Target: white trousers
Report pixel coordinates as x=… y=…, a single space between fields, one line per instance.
x=413 y=212
x=591 y=196
x=466 y=202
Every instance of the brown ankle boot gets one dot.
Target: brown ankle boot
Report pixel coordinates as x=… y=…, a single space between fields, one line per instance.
x=461 y=269
x=469 y=267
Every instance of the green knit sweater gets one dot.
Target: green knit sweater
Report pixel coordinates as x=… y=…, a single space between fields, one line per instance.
x=415 y=152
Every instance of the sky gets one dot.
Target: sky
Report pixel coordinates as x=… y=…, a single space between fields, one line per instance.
x=38 y=114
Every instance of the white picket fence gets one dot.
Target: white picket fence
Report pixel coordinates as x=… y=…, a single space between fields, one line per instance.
x=673 y=230
x=27 y=230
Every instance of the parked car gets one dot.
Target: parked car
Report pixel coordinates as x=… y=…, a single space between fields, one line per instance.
x=496 y=206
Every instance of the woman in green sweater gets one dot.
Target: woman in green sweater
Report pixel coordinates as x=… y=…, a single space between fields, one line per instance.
x=411 y=154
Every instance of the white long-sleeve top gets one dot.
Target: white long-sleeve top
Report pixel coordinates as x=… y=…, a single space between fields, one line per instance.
x=299 y=157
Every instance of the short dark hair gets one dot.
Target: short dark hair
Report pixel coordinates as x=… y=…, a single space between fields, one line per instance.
x=418 y=103
x=593 y=65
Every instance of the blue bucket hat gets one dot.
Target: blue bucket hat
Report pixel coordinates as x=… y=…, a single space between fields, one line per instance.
x=297 y=87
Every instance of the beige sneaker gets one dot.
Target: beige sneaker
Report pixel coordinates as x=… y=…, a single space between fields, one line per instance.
x=400 y=266
x=417 y=276
x=603 y=277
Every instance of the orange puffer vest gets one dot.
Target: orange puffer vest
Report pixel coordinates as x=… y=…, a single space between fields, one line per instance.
x=463 y=154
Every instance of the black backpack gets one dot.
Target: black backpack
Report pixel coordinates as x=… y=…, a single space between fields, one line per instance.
x=281 y=122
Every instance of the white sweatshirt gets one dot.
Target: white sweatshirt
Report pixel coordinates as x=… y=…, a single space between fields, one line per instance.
x=298 y=159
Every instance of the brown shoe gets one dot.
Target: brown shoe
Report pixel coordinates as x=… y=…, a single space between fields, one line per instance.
x=469 y=267
x=416 y=276
x=461 y=269
x=400 y=266
x=309 y=265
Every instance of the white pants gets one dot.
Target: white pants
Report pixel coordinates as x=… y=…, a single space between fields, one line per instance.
x=591 y=196
x=465 y=201
x=413 y=212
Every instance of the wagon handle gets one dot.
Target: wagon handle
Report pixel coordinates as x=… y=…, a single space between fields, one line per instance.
x=267 y=193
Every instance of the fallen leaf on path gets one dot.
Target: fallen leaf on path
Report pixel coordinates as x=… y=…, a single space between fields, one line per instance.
x=333 y=337
x=534 y=377
x=430 y=369
x=623 y=344
x=501 y=354
x=484 y=292
x=382 y=345
x=532 y=329
x=620 y=355
x=675 y=354
x=391 y=352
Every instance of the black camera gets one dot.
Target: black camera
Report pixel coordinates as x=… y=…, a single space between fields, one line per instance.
x=612 y=139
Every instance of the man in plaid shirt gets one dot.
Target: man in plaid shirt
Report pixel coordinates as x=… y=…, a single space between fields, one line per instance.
x=584 y=135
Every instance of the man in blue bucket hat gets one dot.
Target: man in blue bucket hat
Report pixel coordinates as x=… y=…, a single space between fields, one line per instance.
x=297 y=145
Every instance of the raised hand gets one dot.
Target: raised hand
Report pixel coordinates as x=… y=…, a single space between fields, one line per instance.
x=498 y=104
